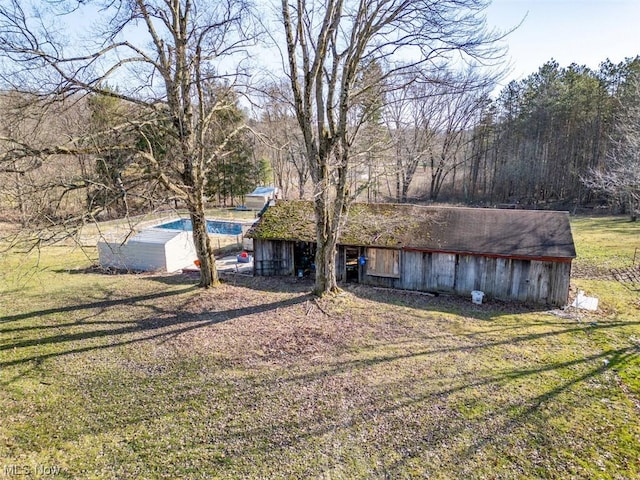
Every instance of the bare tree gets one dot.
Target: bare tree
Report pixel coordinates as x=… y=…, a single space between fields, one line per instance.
x=32 y=191
x=282 y=140
x=619 y=177
x=430 y=122
x=155 y=55
x=371 y=144
x=456 y=109
x=327 y=42
x=407 y=119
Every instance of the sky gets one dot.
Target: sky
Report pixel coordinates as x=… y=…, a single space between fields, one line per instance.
x=585 y=32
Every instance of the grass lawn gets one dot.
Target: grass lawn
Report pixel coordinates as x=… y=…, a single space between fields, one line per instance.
x=146 y=376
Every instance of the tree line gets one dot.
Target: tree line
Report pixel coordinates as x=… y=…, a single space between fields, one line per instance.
x=548 y=141
x=546 y=138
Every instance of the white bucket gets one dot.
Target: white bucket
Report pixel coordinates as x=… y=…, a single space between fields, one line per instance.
x=477 y=296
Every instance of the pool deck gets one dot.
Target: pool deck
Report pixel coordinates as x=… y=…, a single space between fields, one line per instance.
x=227 y=265
x=231 y=265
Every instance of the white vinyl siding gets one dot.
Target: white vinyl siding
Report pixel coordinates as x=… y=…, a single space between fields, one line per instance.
x=150 y=250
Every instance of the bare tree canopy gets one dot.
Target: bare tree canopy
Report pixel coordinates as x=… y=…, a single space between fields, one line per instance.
x=619 y=177
x=328 y=43
x=163 y=59
x=430 y=124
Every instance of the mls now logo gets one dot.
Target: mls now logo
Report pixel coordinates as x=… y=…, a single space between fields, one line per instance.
x=26 y=470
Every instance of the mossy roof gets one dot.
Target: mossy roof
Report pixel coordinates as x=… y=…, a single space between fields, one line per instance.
x=484 y=231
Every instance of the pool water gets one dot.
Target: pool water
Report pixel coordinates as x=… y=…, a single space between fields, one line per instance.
x=219 y=227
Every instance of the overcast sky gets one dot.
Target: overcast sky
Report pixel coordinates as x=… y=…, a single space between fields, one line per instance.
x=585 y=32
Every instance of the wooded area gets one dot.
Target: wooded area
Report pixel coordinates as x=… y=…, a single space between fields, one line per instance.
x=545 y=138
x=542 y=142
x=548 y=141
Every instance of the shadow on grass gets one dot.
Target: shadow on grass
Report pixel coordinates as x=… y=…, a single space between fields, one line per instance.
x=342 y=367
x=188 y=278
x=171 y=323
x=100 y=304
x=445 y=303
x=282 y=432
x=516 y=414
x=283 y=284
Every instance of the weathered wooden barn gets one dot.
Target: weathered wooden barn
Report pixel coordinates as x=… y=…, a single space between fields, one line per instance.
x=521 y=255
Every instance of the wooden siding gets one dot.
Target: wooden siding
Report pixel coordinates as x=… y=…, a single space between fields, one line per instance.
x=383 y=262
x=532 y=281
x=272 y=258
x=500 y=278
x=443 y=271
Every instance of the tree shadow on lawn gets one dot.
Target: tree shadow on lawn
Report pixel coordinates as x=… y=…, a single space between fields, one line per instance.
x=445 y=303
x=341 y=367
x=518 y=415
x=180 y=322
x=283 y=284
x=267 y=436
x=180 y=278
x=439 y=432
x=166 y=324
x=99 y=304
x=515 y=416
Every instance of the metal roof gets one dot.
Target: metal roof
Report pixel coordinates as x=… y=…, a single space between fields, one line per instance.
x=264 y=191
x=479 y=231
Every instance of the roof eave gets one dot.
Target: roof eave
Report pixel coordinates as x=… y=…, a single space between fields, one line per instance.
x=542 y=258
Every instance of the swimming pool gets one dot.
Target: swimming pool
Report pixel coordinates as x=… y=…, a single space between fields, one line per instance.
x=219 y=227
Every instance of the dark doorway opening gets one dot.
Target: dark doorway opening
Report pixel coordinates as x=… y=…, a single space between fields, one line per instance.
x=304 y=257
x=352 y=255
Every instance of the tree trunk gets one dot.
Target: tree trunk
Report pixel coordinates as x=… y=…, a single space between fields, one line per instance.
x=633 y=208
x=202 y=242
x=399 y=196
x=405 y=192
x=301 y=181
x=325 y=253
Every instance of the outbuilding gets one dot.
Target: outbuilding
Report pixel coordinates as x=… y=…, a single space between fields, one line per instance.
x=518 y=255
x=257 y=199
x=153 y=249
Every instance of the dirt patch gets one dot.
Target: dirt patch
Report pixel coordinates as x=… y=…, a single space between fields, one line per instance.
x=590 y=271
x=253 y=321
x=234 y=322
x=629 y=277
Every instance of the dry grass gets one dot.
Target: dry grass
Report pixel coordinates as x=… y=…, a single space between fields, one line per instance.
x=148 y=377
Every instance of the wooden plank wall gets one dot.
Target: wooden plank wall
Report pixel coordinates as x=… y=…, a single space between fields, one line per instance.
x=530 y=281
x=272 y=258
x=501 y=278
